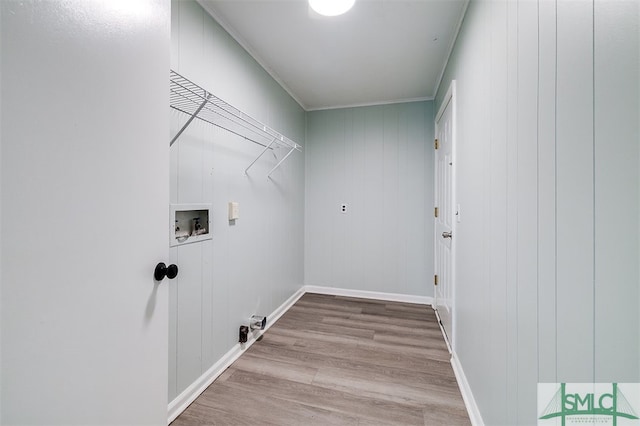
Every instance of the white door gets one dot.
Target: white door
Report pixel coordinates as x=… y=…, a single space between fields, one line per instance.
x=85 y=196
x=444 y=212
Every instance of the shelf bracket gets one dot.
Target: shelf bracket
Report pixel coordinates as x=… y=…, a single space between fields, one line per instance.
x=196 y=102
x=293 y=148
x=195 y=114
x=266 y=148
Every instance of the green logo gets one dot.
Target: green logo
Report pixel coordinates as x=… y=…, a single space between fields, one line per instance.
x=602 y=403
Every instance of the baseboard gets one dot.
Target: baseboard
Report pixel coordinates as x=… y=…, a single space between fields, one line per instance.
x=465 y=390
x=392 y=297
x=461 y=379
x=444 y=333
x=182 y=401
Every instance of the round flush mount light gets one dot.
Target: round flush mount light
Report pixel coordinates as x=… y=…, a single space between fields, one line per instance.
x=331 y=7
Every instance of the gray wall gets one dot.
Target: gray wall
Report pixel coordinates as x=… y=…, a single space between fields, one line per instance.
x=252 y=266
x=379 y=161
x=548 y=142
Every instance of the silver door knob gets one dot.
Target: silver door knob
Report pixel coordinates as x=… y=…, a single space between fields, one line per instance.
x=446 y=235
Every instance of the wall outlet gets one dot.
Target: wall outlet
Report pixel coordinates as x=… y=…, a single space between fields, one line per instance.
x=343 y=208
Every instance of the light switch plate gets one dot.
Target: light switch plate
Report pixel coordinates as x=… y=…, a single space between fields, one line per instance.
x=234 y=210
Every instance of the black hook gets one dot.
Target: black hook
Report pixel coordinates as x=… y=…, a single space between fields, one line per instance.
x=163 y=270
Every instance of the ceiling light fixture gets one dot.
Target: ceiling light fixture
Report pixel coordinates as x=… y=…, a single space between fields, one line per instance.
x=331 y=7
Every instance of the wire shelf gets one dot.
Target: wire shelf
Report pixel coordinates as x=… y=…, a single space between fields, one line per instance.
x=193 y=100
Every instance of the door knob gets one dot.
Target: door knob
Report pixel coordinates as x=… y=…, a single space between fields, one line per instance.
x=163 y=270
x=446 y=235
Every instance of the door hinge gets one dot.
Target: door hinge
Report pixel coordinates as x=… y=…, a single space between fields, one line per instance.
x=435 y=280
x=436 y=144
x=435 y=212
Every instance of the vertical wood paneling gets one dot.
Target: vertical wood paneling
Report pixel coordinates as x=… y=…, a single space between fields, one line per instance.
x=563 y=181
x=617 y=142
x=497 y=279
x=373 y=207
x=173 y=258
x=336 y=180
x=349 y=183
x=404 y=263
x=254 y=265
x=223 y=330
x=173 y=330
x=317 y=211
x=546 y=158
x=472 y=142
x=574 y=186
x=390 y=196
x=485 y=155
x=416 y=179
x=189 y=286
x=373 y=159
x=190 y=38
x=360 y=182
x=527 y=219
x=423 y=174
x=207 y=261
x=175 y=40
x=511 y=260
x=189 y=315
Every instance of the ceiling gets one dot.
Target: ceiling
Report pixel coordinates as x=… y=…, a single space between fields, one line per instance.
x=381 y=51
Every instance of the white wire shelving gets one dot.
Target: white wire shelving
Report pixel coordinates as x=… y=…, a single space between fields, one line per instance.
x=191 y=99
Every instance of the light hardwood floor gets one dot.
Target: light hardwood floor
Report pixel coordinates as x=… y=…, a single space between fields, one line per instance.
x=336 y=360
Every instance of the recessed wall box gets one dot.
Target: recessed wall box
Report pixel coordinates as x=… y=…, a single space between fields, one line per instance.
x=190 y=223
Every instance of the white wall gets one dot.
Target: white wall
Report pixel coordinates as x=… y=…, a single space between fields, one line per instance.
x=84 y=132
x=548 y=143
x=379 y=161
x=251 y=267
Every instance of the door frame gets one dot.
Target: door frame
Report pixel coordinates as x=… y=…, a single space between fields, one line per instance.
x=449 y=98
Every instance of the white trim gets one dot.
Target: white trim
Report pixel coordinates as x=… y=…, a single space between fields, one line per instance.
x=448 y=100
x=463 y=384
x=182 y=401
x=444 y=333
x=392 y=297
x=193 y=391
x=450 y=96
x=465 y=390
x=453 y=89
x=378 y=103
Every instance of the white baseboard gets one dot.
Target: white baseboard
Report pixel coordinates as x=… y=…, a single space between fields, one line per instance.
x=393 y=297
x=465 y=390
x=182 y=401
x=461 y=379
x=193 y=391
x=444 y=333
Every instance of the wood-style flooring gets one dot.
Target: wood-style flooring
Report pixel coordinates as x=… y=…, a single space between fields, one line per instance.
x=339 y=361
